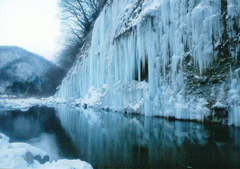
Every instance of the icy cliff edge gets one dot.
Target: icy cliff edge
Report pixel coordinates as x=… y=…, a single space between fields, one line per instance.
x=177 y=58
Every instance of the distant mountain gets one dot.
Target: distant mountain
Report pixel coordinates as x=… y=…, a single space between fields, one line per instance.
x=24 y=73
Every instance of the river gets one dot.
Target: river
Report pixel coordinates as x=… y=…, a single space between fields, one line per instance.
x=116 y=140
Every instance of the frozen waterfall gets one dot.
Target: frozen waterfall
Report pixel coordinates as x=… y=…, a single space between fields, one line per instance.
x=159 y=58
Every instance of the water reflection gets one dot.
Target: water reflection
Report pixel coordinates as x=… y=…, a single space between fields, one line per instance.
x=39 y=127
x=113 y=140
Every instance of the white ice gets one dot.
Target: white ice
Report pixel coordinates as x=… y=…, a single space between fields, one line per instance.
x=130 y=38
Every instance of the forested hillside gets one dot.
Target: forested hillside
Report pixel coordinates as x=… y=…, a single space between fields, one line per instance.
x=23 y=73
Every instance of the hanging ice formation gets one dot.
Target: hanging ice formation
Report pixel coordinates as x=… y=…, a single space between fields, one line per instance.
x=169 y=58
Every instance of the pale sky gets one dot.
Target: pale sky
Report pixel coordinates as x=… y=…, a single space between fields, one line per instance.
x=30 y=24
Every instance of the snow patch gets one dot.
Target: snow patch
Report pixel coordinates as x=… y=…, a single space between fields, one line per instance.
x=20 y=155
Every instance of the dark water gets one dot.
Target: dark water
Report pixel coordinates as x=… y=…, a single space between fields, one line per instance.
x=114 y=140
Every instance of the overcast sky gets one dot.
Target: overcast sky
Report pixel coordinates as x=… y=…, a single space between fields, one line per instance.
x=31 y=24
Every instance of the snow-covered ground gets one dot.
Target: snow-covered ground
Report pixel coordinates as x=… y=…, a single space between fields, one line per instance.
x=25 y=103
x=21 y=155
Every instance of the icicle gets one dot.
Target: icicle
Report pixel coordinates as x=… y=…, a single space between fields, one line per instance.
x=138 y=49
x=231 y=73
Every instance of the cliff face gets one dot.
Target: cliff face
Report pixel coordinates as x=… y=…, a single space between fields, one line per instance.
x=24 y=73
x=177 y=58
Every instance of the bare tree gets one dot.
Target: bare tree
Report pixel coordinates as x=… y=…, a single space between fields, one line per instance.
x=77 y=15
x=77 y=18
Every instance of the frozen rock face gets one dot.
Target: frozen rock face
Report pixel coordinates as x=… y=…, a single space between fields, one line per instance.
x=177 y=58
x=25 y=73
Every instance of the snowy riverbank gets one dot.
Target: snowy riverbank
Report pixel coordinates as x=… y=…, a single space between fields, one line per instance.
x=26 y=103
x=22 y=155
